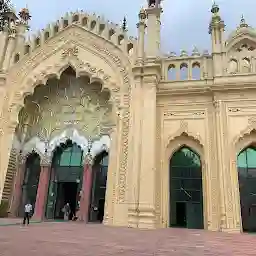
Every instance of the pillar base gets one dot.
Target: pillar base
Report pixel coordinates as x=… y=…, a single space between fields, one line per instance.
x=146 y=218
x=231 y=230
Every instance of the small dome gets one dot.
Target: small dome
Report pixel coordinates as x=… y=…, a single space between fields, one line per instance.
x=24 y=10
x=242 y=29
x=215 y=8
x=142 y=14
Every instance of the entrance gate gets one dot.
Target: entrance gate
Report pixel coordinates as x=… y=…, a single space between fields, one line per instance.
x=186 y=196
x=30 y=182
x=246 y=164
x=100 y=170
x=65 y=180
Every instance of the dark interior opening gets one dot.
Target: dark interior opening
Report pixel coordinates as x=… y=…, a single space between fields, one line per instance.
x=181 y=214
x=67 y=193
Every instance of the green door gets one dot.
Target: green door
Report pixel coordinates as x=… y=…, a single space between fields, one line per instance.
x=186 y=189
x=194 y=215
x=67 y=166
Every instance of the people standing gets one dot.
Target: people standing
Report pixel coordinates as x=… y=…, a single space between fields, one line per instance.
x=27 y=213
x=66 y=210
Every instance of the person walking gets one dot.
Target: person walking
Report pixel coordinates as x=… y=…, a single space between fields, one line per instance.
x=27 y=213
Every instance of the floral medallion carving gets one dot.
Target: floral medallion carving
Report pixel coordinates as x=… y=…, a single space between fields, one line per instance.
x=71 y=51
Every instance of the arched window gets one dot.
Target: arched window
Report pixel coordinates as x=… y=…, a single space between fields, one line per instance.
x=196 y=71
x=247 y=159
x=172 y=75
x=71 y=156
x=184 y=71
x=186 y=194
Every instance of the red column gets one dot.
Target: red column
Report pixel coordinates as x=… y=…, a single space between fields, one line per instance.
x=17 y=188
x=86 y=190
x=42 y=191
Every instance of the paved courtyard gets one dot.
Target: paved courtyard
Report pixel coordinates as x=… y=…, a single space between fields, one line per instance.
x=59 y=239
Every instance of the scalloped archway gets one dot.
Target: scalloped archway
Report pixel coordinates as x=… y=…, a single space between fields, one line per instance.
x=105 y=63
x=41 y=77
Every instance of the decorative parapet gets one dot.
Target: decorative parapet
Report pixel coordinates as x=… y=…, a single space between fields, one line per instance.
x=94 y=24
x=185 y=66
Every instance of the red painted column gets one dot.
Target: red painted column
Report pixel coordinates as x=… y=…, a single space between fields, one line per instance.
x=86 y=190
x=42 y=191
x=17 y=188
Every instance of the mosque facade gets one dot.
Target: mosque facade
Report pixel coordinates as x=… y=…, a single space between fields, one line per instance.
x=127 y=135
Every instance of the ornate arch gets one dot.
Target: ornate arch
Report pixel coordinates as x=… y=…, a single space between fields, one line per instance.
x=101 y=145
x=41 y=76
x=27 y=75
x=184 y=130
x=184 y=140
x=246 y=136
x=36 y=145
x=43 y=149
x=174 y=143
x=69 y=134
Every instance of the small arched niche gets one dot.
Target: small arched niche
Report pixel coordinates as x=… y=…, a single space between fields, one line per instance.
x=93 y=25
x=16 y=58
x=184 y=71
x=172 y=72
x=233 y=66
x=196 y=71
x=111 y=33
x=246 y=65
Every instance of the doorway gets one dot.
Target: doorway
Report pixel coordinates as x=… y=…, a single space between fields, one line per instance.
x=97 y=205
x=30 y=182
x=246 y=165
x=186 y=195
x=65 y=181
x=67 y=192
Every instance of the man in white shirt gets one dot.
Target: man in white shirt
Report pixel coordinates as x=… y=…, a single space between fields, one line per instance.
x=27 y=213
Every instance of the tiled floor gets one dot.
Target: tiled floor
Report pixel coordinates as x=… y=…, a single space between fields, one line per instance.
x=55 y=239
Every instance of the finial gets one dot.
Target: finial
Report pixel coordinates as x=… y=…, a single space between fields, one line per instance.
x=124 y=25
x=24 y=14
x=243 y=23
x=142 y=14
x=154 y=3
x=215 y=8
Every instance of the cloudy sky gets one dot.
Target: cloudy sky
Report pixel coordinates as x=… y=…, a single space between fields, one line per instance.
x=185 y=22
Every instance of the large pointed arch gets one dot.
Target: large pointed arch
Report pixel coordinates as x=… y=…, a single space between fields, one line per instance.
x=98 y=58
x=172 y=146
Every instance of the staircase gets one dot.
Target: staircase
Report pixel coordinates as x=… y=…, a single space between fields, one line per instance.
x=9 y=179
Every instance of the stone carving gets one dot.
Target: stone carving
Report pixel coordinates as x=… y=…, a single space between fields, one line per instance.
x=252 y=121
x=89 y=159
x=45 y=160
x=19 y=72
x=234 y=110
x=68 y=104
x=70 y=52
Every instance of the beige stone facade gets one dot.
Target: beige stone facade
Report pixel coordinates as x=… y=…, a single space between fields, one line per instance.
x=135 y=103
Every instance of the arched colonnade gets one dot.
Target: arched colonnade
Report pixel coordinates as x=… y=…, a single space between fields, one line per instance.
x=184 y=186
x=71 y=159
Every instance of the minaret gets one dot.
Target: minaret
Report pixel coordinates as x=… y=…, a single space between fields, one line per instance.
x=11 y=29
x=153 y=11
x=141 y=25
x=216 y=30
